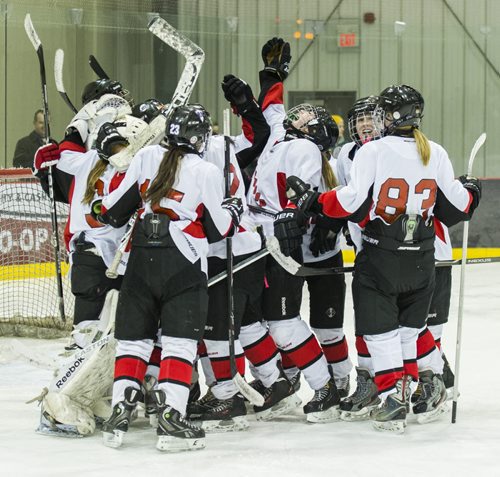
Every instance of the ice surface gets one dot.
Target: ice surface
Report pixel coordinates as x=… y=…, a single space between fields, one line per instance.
x=288 y=446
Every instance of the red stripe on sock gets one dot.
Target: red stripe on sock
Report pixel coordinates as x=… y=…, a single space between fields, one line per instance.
x=286 y=362
x=306 y=353
x=222 y=367
x=425 y=343
x=411 y=369
x=130 y=367
x=155 y=358
x=438 y=343
x=336 y=352
x=175 y=369
x=387 y=379
x=361 y=347
x=261 y=351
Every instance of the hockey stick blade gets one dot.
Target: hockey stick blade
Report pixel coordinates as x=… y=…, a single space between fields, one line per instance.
x=31 y=32
x=247 y=391
x=58 y=76
x=97 y=68
x=475 y=149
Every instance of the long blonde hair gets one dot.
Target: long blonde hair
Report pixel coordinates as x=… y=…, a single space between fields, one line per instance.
x=327 y=171
x=423 y=146
x=95 y=174
x=167 y=174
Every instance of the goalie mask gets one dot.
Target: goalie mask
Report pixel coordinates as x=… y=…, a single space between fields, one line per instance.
x=365 y=120
x=147 y=110
x=130 y=126
x=100 y=87
x=313 y=123
x=403 y=107
x=189 y=127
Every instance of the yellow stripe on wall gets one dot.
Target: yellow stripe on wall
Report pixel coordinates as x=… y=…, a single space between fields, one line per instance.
x=31 y=270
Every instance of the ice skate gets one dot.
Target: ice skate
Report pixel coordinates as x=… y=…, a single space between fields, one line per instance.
x=150 y=408
x=197 y=408
x=432 y=400
x=343 y=386
x=279 y=399
x=295 y=381
x=358 y=406
x=50 y=427
x=225 y=415
x=448 y=378
x=116 y=426
x=175 y=433
x=391 y=415
x=323 y=407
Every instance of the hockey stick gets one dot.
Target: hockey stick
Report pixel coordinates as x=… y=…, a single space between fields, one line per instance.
x=58 y=76
x=465 y=239
x=37 y=44
x=246 y=390
x=194 y=60
x=97 y=68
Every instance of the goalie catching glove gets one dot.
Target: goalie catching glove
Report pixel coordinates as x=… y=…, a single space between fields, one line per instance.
x=289 y=228
x=276 y=57
x=46 y=156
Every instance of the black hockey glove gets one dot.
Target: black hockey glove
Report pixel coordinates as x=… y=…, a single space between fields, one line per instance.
x=108 y=137
x=235 y=207
x=302 y=196
x=473 y=185
x=276 y=57
x=324 y=234
x=238 y=93
x=289 y=227
x=347 y=236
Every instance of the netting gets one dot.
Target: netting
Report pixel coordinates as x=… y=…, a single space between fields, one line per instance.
x=28 y=286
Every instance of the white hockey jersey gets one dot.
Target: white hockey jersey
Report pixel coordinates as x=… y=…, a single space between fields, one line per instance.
x=193 y=204
x=388 y=179
x=105 y=238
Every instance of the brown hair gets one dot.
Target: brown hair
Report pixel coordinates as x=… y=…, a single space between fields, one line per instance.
x=96 y=172
x=327 y=171
x=166 y=176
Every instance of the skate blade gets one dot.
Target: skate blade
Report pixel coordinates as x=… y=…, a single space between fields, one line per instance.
x=177 y=444
x=361 y=415
x=330 y=415
x=65 y=431
x=153 y=420
x=283 y=407
x=392 y=427
x=113 y=439
x=434 y=415
x=234 y=424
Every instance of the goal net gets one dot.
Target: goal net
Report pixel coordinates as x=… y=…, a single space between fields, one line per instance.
x=28 y=284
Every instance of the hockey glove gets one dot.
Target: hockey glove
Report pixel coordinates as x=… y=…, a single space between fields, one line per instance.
x=46 y=156
x=324 y=234
x=235 y=207
x=276 y=57
x=238 y=93
x=473 y=185
x=289 y=227
x=302 y=196
x=107 y=138
x=347 y=236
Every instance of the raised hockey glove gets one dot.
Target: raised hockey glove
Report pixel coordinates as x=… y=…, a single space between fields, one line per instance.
x=289 y=228
x=107 y=138
x=302 y=196
x=324 y=234
x=276 y=57
x=235 y=207
x=238 y=93
x=473 y=185
x=46 y=156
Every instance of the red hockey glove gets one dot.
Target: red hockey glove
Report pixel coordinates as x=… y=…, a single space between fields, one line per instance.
x=46 y=156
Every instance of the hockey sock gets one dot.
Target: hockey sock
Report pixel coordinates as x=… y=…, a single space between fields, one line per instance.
x=296 y=340
x=262 y=352
x=218 y=352
x=176 y=370
x=131 y=362
x=387 y=358
x=155 y=359
x=428 y=355
x=336 y=351
x=206 y=365
x=437 y=333
x=364 y=357
x=408 y=338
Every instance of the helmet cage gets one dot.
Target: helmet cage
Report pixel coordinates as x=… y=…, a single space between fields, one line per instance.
x=367 y=115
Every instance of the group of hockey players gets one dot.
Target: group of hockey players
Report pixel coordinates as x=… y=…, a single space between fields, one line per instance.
x=392 y=195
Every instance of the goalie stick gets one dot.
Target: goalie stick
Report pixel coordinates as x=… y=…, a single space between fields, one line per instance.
x=465 y=239
x=194 y=60
x=37 y=44
x=58 y=76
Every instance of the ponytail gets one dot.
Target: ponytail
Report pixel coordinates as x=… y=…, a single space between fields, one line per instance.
x=166 y=176
x=423 y=146
x=96 y=172
x=327 y=172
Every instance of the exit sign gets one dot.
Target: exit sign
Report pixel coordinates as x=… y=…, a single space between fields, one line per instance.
x=348 y=40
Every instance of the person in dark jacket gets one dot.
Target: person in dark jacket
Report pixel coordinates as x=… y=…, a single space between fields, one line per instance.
x=27 y=146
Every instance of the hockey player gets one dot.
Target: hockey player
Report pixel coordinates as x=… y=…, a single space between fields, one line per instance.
x=398 y=184
x=294 y=147
x=165 y=285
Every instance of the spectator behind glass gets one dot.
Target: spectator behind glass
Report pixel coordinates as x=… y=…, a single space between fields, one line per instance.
x=27 y=146
x=341 y=140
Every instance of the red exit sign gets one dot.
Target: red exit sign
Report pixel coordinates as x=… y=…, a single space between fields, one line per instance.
x=348 y=40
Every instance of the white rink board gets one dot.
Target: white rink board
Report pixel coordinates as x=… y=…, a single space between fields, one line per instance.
x=288 y=446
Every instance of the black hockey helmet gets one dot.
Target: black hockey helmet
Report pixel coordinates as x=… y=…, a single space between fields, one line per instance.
x=403 y=106
x=367 y=114
x=100 y=87
x=313 y=123
x=189 y=127
x=147 y=110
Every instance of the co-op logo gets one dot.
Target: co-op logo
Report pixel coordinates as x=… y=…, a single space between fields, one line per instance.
x=26 y=240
